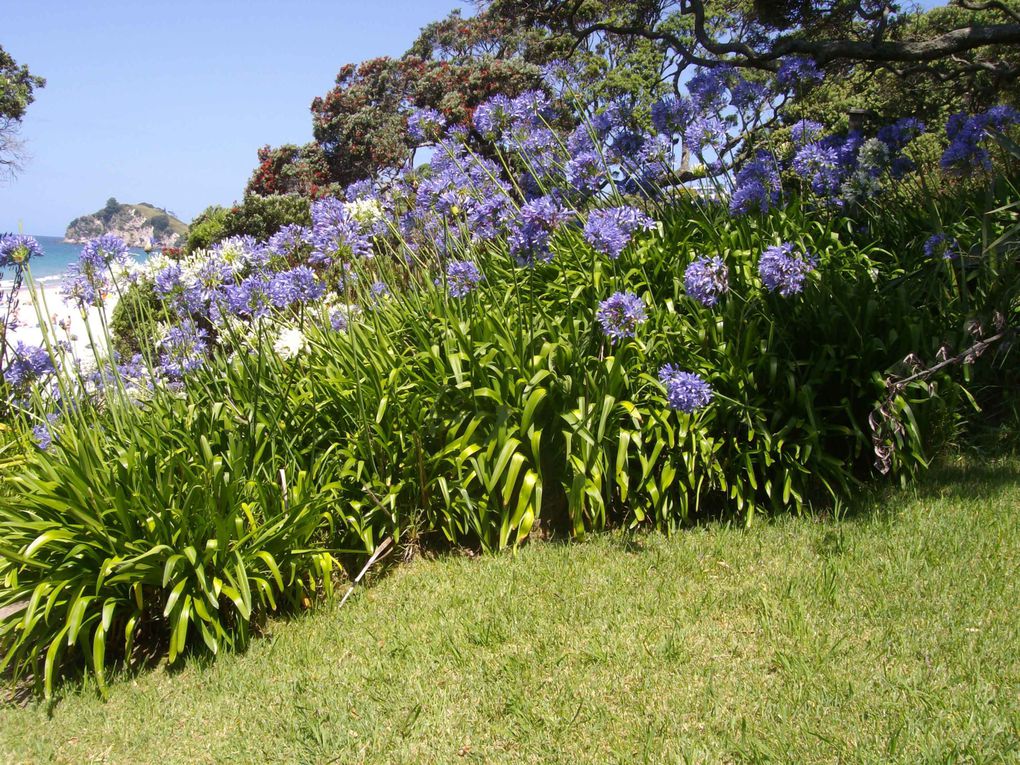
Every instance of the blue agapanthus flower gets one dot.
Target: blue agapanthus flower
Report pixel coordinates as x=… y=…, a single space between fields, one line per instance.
x=335 y=232
x=709 y=86
x=757 y=185
x=88 y=278
x=941 y=245
x=532 y=108
x=609 y=230
x=620 y=314
x=298 y=285
x=586 y=172
x=462 y=276
x=28 y=363
x=671 y=115
x=42 y=433
x=706 y=280
x=803 y=131
x=783 y=270
x=493 y=117
x=17 y=250
x=379 y=290
x=746 y=95
x=183 y=349
x=288 y=241
x=797 y=70
x=42 y=436
x=820 y=166
x=968 y=135
x=530 y=232
x=250 y=298
x=685 y=391
x=561 y=77
x=425 y=125
x=704 y=131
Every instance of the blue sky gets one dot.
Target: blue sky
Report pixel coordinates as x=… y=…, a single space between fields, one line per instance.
x=168 y=103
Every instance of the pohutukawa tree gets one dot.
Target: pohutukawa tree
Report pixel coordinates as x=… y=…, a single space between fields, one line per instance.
x=17 y=92
x=761 y=33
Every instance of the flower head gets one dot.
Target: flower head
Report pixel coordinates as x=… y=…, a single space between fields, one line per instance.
x=941 y=245
x=16 y=250
x=968 y=134
x=492 y=118
x=796 y=70
x=782 y=270
x=88 y=278
x=27 y=364
x=609 y=230
x=671 y=115
x=42 y=434
x=685 y=391
x=183 y=349
x=335 y=231
x=290 y=342
x=425 y=125
x=706 y=280
x=286 y=242
x=531 y=231
x=620 y=314
x=462 y=276
x=757 y=185
x=298 y=285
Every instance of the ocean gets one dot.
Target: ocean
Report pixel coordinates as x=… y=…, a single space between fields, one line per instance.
x=57 y=256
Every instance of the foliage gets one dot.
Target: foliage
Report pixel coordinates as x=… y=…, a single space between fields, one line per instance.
x=291 y=169
x=17 y=92
x=132 y=325
x=759 y=35
x=207 y=228
x=256 y=216
x=929 y=94
x=156 y=531
x=261 y=217
x=361 y=123
x=19 y=86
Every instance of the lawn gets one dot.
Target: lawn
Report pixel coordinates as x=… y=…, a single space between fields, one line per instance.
x=889 y=636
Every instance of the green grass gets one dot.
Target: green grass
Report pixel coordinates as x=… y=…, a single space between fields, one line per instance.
x=891 y=636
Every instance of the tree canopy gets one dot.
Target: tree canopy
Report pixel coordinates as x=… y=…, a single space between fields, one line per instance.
x=17 y=92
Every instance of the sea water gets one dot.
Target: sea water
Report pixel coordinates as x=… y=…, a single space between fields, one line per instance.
x=57 y=256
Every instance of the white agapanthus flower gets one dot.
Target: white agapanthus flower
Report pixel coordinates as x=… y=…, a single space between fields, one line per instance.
x=367 y=212
x=290 y=343
x=154 y=264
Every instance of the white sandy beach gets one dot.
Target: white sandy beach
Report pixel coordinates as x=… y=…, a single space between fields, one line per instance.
x=61 y=320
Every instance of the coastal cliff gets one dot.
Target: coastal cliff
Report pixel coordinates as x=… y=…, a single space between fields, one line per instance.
x=139 y=225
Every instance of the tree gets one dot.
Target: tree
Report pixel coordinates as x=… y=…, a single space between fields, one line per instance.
x=759 y=34
x=17 y=92
x=360 y=125
x=291 y=169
